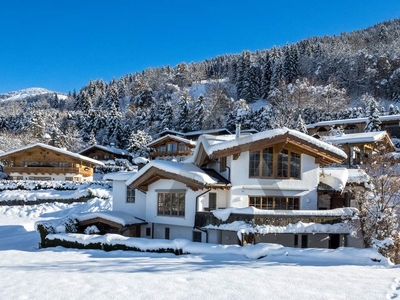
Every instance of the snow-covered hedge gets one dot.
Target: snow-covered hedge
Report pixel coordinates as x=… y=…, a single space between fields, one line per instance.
x=29 y=185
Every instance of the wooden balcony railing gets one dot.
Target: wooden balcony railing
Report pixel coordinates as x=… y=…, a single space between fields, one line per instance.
x=170 y=153
x=207 y=218
x=85 y=172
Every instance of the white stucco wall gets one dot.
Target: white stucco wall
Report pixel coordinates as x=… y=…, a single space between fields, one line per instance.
x=222 y=199
x=137 y=209
x=243 y=186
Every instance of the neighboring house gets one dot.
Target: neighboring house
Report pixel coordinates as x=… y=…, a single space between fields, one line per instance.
x=44 y=162
x=171 y=147
x=194 y=135
x=361 y=147
x=106 y=153
x=390 y=123
x=337 y=186
x=239 y=189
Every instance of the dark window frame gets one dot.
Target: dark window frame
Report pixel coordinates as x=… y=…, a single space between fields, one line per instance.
x=270 y=163
x=130 y=195
x=274 y=202
x=171 y=204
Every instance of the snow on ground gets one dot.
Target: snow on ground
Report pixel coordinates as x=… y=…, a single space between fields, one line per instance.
x=210 y=272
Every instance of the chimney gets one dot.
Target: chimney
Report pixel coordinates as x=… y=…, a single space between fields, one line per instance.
x=238 y=130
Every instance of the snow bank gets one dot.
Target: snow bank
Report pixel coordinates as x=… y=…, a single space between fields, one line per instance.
x=351 y=256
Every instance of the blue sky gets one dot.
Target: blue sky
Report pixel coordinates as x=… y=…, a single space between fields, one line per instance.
x=61 y=45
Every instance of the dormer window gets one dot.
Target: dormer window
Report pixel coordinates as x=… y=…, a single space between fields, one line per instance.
x=271 y=163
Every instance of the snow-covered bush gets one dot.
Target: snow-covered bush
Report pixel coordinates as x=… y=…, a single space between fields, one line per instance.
x=380 y=206
x=91 y=230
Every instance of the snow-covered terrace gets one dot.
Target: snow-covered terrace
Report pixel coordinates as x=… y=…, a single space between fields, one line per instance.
x=296 y=228
x=118 y=217
x=223 y=214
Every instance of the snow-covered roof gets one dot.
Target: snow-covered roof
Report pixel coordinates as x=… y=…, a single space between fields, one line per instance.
x=118 y=217
x=110 y=149
x=174 y=137
x=336 y=178
x=55 y=149
x=195 y=133
x=357 y=176
x=186 y=170
x=354 y=138
x=117 y=176
x=223 y=214
x=352 y=121
x=217 y=143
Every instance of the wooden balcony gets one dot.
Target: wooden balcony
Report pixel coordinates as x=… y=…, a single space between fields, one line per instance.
x=170 y=153
x=207 y=218
x=85 y=171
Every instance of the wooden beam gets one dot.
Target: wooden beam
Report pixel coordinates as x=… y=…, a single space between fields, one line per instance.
x=236 y=156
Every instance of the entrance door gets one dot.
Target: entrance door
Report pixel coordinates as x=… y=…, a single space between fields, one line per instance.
x=304 y=241
x=334 y=241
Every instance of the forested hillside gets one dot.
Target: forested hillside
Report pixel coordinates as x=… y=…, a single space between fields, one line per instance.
x=319 y=78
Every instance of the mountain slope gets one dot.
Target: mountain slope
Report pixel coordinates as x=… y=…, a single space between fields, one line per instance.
x=27 y=93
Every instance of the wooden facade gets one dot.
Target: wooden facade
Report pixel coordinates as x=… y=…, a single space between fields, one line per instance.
x=44 y=162
x=99 y=152
x=170 y=146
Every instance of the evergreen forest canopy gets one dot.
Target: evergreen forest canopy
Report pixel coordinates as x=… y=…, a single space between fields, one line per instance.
x=319 y=78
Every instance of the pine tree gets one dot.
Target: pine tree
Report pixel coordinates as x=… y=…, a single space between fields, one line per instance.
x=266 y=70
x=198 y=114
x=92 y=140
x=301 y=126
x=373 y=123
x=137 y=143
x=167 y=117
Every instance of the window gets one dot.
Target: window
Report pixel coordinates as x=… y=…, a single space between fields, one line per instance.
x=182 y=147
x=172 y=147
x=148 y=231
x=267 y=163
x=130 y=195
x=166 y=233
x=212 y=201
x=197 y=236
x=171 y=204
x=274 y=203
